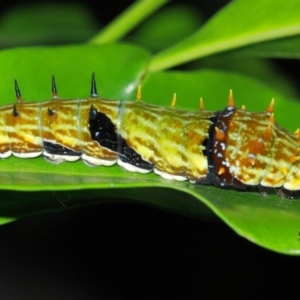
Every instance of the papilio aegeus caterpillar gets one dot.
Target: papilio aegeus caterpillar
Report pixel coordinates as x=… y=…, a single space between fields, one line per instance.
x=227 y=148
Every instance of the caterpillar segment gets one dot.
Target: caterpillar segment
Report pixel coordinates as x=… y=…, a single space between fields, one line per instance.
x=252 y=150
x=228 y=148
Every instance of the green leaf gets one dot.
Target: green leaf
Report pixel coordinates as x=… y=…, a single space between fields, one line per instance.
x=236 y=25
x=282 y=48
x=31 y=186
x=257 y=68
x=72 y=67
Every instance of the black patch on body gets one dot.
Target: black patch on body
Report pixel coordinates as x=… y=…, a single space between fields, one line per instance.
x=208 y=152
x=129 y=155
x=59 y=149
x=103 y=130
x=105 y=133
x=222 y=180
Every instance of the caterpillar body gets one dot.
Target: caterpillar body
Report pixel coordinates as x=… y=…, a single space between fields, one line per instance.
x=228 y=148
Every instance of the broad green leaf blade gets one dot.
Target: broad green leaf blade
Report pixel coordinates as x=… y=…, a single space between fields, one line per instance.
x=236 y=25
x=281 y=48
x=257 y=68
x=30 y=186
x=118 y=69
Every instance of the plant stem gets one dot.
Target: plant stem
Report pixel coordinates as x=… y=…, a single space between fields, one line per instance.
x=127 y=20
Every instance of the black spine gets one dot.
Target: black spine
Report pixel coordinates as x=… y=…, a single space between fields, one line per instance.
x=17 y=90
x=93 y=87
x=54 y=89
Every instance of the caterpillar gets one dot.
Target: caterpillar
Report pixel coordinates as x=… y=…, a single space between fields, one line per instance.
x=227 y=148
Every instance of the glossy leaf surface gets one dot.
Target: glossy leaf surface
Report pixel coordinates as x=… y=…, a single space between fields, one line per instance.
x=236 y=25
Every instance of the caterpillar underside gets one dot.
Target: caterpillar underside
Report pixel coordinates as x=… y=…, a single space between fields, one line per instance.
x=227 y=148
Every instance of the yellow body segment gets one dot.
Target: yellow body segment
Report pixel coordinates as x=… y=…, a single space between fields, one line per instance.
x=168 y=146
x=196 y=132
x=60 y=123
x=137 y=125
x=281 y=167
x=169 y=138
x=4 y=139
x=23 y=130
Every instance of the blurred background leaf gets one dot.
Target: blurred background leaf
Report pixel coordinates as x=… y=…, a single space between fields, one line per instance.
x=46 y=23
